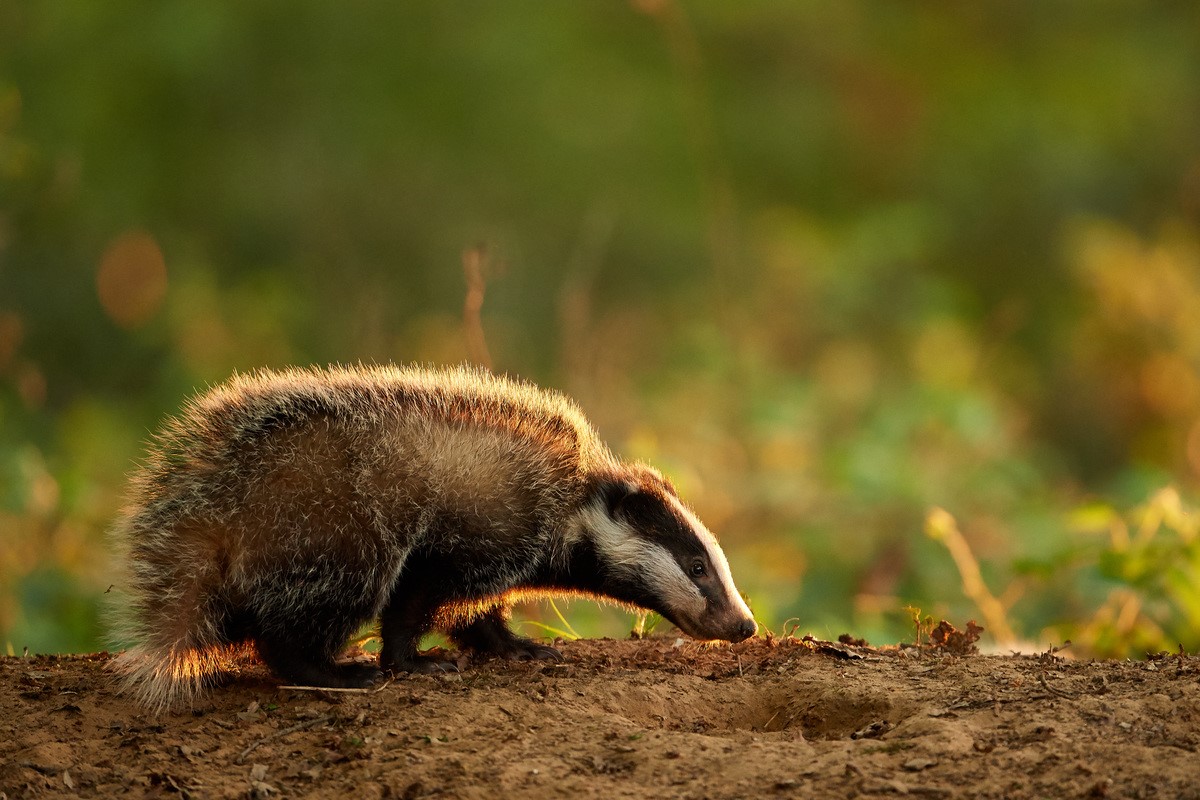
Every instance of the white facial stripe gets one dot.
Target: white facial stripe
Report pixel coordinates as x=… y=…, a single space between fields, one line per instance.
x=678 y=592
x=716 y=556
x=621 y=548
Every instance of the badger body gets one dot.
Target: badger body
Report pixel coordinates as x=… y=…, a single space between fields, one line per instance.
x=282 y=510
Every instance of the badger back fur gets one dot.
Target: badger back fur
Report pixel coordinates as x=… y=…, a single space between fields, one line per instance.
x=284 y=509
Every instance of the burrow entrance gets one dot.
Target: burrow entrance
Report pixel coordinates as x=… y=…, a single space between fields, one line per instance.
x=812 y=709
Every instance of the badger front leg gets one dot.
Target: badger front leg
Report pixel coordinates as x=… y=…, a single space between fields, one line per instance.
x=489 y=635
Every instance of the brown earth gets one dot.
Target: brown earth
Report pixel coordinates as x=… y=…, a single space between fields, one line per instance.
x=657 y=718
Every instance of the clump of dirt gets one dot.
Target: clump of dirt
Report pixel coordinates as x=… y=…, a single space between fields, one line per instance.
x=628 y=719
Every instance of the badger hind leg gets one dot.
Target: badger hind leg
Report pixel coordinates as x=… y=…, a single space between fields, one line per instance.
x=489 y=635
x=299 y=663
x=299 y=635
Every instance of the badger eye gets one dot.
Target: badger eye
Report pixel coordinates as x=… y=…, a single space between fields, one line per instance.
x=697 y=569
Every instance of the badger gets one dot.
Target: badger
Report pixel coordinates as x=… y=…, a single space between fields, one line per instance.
x=282 y=510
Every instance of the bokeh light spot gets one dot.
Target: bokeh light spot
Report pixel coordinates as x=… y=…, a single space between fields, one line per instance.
x=12 y=330
x=132 y=279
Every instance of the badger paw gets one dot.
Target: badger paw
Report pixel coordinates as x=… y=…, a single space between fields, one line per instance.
x=538 y=652
x=423 y=665
x=435 y=666
x=524 y=650
x=356 y=675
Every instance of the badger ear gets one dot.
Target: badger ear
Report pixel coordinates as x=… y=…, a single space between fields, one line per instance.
x=612 y=492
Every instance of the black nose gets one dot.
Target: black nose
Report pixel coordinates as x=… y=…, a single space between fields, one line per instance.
x=747 y=629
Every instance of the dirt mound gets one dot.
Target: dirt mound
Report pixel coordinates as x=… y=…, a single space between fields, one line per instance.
x=657 y=718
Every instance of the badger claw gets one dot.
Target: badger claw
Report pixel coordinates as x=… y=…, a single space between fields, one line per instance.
x=525 y=650
x=541 y=652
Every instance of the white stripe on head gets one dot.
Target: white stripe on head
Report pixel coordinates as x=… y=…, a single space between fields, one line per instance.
x=650 y=564
x=716 y=556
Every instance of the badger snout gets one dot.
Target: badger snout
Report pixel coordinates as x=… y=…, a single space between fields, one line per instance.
x=739 y=630
x=744 y=630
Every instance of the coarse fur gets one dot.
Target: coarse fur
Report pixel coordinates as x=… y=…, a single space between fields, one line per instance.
x=285 y=509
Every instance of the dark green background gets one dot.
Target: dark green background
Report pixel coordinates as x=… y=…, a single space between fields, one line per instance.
x=827 y=264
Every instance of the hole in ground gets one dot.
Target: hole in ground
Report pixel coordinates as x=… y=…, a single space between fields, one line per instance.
x=814 y=710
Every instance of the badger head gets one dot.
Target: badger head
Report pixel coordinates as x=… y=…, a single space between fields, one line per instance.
x=652 y=551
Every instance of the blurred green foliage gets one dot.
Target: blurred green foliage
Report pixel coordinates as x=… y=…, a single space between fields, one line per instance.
x=828 y=264
x=1152 y=561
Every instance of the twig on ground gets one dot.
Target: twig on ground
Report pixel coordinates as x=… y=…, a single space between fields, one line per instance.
x=1052 y=690
x=299 y=726
x=364 y=690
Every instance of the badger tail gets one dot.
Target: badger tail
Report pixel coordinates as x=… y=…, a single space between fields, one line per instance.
x=165 y=677
x=172 y=626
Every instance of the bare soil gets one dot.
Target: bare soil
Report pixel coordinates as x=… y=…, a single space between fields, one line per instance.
x=628 y=719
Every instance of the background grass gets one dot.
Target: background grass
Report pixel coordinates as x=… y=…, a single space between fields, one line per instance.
x=830 y=265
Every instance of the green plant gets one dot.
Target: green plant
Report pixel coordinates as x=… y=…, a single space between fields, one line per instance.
x=566 y=632
x=922 y=626
x=644 y=624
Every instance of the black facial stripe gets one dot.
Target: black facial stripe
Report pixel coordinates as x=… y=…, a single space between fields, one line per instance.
x=656 y=520
x=710 y=592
